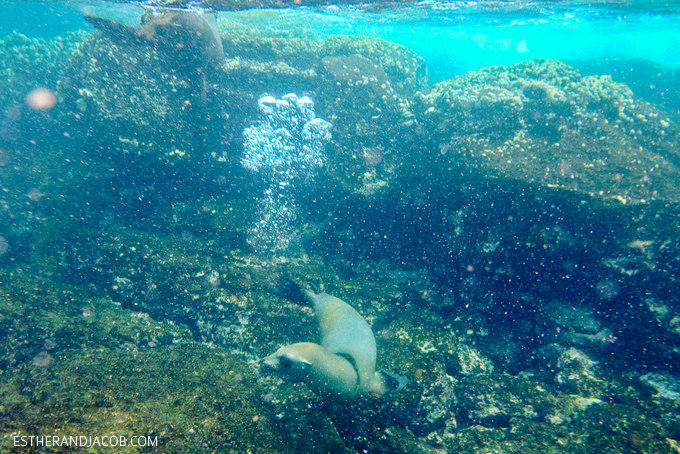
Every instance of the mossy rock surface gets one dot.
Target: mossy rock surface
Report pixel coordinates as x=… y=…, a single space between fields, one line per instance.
x=189 y=396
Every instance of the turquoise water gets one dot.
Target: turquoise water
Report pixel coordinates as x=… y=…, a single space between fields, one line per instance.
x=455 y=42
x=452 y=42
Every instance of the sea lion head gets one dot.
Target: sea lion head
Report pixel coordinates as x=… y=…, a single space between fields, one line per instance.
x=290 y=362
x=325 y=373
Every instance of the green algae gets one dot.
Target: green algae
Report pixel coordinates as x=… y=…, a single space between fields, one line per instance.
x=541 y=121
x=187 y=396
x=404 y=67
x=112 y=370
x=27 y=63
x=39 y=314
x=77 y=364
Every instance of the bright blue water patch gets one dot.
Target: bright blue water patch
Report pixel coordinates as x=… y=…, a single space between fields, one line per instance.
x=468 y=46
x=451 y=41
x=455 y=42
x=52 y=18
x=38 y=19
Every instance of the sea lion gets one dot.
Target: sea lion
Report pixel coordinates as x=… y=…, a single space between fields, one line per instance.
x=346 y=339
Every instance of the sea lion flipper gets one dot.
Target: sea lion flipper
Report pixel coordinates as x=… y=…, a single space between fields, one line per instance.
x=292 y=291
x=385 y=382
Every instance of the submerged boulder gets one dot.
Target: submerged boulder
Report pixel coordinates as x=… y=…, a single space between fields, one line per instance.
x=128 y=104
x=544 y=123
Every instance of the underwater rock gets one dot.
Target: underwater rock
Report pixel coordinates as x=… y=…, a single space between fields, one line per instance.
x=473 y=362
x=478 y=245
x=577 y=325
x=437 y=402
x=30 y=64
x=366 y=86
x=127 y=104
x=404 y=67
x=542 y=122
x=189 y=40
x=182 y=397
x=539 y=121
x=649 y=80
x=666 y=386
x=578 y=373
x=208 y=286
x=244 y=44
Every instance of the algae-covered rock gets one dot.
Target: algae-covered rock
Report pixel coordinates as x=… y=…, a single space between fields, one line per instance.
x=540 y=122
x=181 y=398
x=42 y=316
x=543 y=123
x=366 y=87
x=27 y=63
x=32 y=64
x=405 y=68
x=126 y=100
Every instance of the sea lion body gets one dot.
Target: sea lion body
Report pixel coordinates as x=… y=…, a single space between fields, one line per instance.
x=345 y=332
x=343 y=365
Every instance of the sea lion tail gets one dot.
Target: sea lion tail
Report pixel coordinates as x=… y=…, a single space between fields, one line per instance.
x=292 y=291
x=387 y=383
x=395 y=382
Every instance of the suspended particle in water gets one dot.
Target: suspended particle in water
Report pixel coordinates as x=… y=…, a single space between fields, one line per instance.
x=50 y=343
x=522 y=47
x=42 y=359
x=41 y=99
x=373 y=156
x=35 y=194
x=4 y=157
x=607 y=288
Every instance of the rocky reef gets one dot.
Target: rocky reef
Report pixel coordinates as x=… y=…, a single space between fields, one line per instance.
x=543 y=122
x=510 y=235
